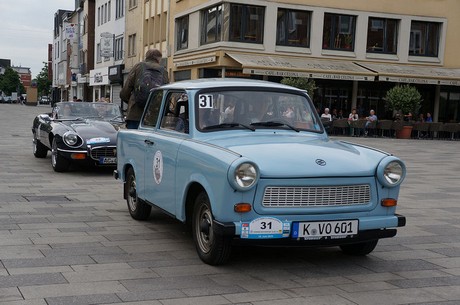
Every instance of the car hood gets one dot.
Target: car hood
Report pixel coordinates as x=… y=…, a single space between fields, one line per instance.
x=91 y=129
x=281 y=155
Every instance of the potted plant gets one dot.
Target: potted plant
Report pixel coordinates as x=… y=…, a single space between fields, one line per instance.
x=348 y=41
x=404 y=99
x=301 y=83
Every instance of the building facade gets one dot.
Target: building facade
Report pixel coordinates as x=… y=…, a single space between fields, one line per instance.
x=60 y=81
x=106 y=77
x=354 y=50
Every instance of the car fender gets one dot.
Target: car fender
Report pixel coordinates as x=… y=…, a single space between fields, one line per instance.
x=206 y=165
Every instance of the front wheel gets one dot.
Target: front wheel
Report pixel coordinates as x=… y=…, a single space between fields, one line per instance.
x=40 y=150
x=58 y=162
x=138 y=209
x=212 y=248
x=359 y=249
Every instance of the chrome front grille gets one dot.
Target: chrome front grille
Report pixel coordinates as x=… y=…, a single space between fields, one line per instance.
x=316 y=196
x=107 y=151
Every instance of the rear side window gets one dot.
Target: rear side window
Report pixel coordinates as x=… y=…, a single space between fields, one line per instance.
x=175 y=112
x=153 y=109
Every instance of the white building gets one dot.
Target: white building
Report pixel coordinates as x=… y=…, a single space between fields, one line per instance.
x=106 y=77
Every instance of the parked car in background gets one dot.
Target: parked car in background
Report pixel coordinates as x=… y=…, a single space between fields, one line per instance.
x=79 y=133
x=6 y=100
x=44 y=100
x=250 y=161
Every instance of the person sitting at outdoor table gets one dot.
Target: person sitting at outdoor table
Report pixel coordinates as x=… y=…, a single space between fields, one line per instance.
x=370 y=120
x=326 y=114
x=428 y=118
x=353 y=116
x=421 y=118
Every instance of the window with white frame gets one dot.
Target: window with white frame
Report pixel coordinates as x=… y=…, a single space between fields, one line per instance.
x=182 y=33
x=293 y=28
x=424 y=38
x=132 y=4
x=119 y=9
x=132 y=45
x=119 y=48
x=211 y=24
x=246 y=23
x=339 y=32
x=382 y=35
x=98 y=53
x=109 y=9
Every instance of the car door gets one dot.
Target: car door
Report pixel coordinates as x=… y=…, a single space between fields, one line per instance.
x=161 y=154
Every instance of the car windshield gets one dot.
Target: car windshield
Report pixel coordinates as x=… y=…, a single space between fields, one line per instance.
x=83 y=110
x=255 y=109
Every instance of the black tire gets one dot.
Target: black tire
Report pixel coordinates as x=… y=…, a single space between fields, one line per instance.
x=359 y=249
x=40 y=150
x=137 y=208
x=58 y=162
x=212 y=248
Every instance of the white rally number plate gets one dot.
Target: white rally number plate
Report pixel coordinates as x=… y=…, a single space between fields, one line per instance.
x=320 y=229
x=265 y=227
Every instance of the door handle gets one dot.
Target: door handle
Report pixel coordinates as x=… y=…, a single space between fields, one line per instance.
x=148 y=142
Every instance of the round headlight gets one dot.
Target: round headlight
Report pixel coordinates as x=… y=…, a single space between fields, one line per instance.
x=70 y=139
x=245 y=175
x=393 y=172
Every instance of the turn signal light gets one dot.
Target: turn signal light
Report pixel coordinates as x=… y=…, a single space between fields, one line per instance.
x=389 y=202
x=78 y=156
x=242 y=207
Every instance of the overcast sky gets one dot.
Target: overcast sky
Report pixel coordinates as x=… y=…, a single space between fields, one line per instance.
x=26 y=29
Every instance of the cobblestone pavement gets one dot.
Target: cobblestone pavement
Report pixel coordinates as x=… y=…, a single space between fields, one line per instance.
x=67 y=238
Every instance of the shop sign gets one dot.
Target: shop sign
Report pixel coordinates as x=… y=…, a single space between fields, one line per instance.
x=309 y=75
x=198 y=61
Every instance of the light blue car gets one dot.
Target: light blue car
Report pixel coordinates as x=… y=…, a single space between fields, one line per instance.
x=249 y=161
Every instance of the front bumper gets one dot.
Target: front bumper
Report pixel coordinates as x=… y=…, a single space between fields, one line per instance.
x=230 y=229
x=100 y=155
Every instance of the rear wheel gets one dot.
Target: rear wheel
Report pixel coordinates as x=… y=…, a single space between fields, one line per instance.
x=40 y=150
x=359 y=249
x=138 y=209
x=58 y=162
x=212 y=248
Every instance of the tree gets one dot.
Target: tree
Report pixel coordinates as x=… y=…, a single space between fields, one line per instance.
x=301 y=83
x=10 y=82
x=404 y=98
x=43 y=82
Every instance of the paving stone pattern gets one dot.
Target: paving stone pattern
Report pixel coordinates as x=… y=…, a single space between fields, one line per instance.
x=67 y=238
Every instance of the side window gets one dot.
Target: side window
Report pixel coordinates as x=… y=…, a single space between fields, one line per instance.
x=153 y=109
x=175 y=114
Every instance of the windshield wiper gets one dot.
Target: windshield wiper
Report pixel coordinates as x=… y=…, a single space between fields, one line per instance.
x=229 y=125
x=69 y=119
x=275 y=124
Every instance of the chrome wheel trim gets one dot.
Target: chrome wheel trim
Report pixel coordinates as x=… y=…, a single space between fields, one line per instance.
x=54 y=153
x=132 y=196
x=205 y=239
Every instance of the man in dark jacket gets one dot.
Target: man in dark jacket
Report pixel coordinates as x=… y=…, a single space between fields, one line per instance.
x=134 y=112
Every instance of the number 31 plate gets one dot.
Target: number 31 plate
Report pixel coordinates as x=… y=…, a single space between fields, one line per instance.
x=320 y=229
x=265 y=227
